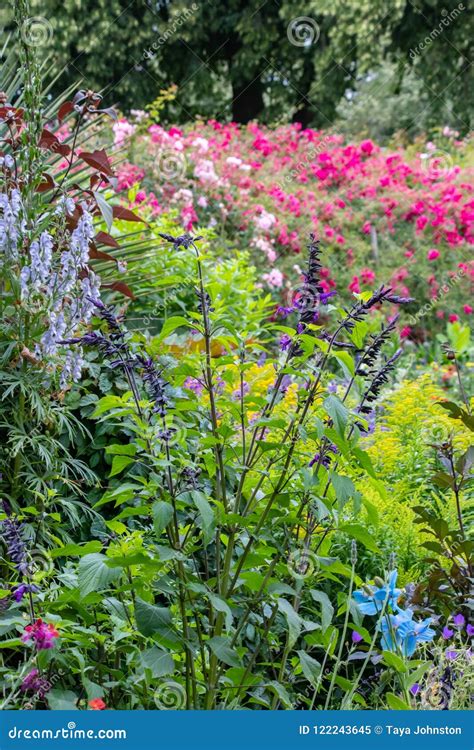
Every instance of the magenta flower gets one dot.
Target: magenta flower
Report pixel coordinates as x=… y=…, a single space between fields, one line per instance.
x=42 y=634
x=33 y=683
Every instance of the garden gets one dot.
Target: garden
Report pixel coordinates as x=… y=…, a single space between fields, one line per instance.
x=236 y=412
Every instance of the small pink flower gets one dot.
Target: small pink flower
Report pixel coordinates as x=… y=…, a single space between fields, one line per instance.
x=433 y=254
x=405 y=332
x=468 y=309
x=453 y=318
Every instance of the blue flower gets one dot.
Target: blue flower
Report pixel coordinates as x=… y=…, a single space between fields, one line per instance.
x=370 y=599
x=400 y=633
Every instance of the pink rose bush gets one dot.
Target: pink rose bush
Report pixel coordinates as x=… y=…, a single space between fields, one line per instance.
x=383 y=214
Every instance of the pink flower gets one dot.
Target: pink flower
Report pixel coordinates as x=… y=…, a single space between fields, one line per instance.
x=43 y=635
x=433 y=254
x=354 y=286
x=367 y=147
x=453 y=318
x=468 y=309
x=405 y=332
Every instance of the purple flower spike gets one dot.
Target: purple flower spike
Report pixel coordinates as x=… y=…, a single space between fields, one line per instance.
x=356 y=637
x=447 y=633
x=459 y=620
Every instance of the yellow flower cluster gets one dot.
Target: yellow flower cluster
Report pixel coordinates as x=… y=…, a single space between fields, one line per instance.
x=401 y=450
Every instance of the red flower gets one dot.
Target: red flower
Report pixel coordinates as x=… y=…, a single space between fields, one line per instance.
x=97 y=704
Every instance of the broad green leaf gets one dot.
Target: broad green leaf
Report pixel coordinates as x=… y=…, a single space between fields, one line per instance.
x=338 y=413
x=119 y=463
x=162 y=515
x=159 y=662
x=221 y=606
x=293 y=620
x=151 y=619
x=394 y=661
x=396 y=703
x=343 y=487
x=93 y=573
x=62 y=700
x=76 y=550
x=171 y=325
x=121 y=450
x=220 y=646
x=311 y=668
x=358 y=532
x=327 y=610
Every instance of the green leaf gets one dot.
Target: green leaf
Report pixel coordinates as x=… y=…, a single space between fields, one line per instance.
x=346 y=360
x=105 y=209
x=93 y=573
x=356 y=531
x=121 y=450
x=206 y=514
x=396 y=703
x=394 y=661
x=338 y=413
x=220 y=646
x=221 y=606
x=343 y=487
x=62 y=700
x=311 y=668
x=162 y=515
x=327 y=610
x=76 y=550
x=171 y=325
x=293 y=620
x=120 y=463
x=359 y=333
x=159 y=662
x=151 y=619
x=459 y=336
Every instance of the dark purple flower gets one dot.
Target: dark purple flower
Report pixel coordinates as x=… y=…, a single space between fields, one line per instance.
x=470 y=630
x=415 y=689
x=33 y=683
x=324 y=297
x=24 y=588
x=356 y=637
x=16 y=549
x=447 y=633
x=285 y=342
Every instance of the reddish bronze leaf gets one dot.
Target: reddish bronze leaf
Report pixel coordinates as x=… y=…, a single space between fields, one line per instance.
x=103 y=238
x=124 y=213
x=47 y=183
x=99 y=160
x=120 y=286
x=95 y=254
x=64 y=110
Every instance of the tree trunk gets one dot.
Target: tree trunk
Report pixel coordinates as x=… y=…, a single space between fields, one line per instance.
x=247 y=100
